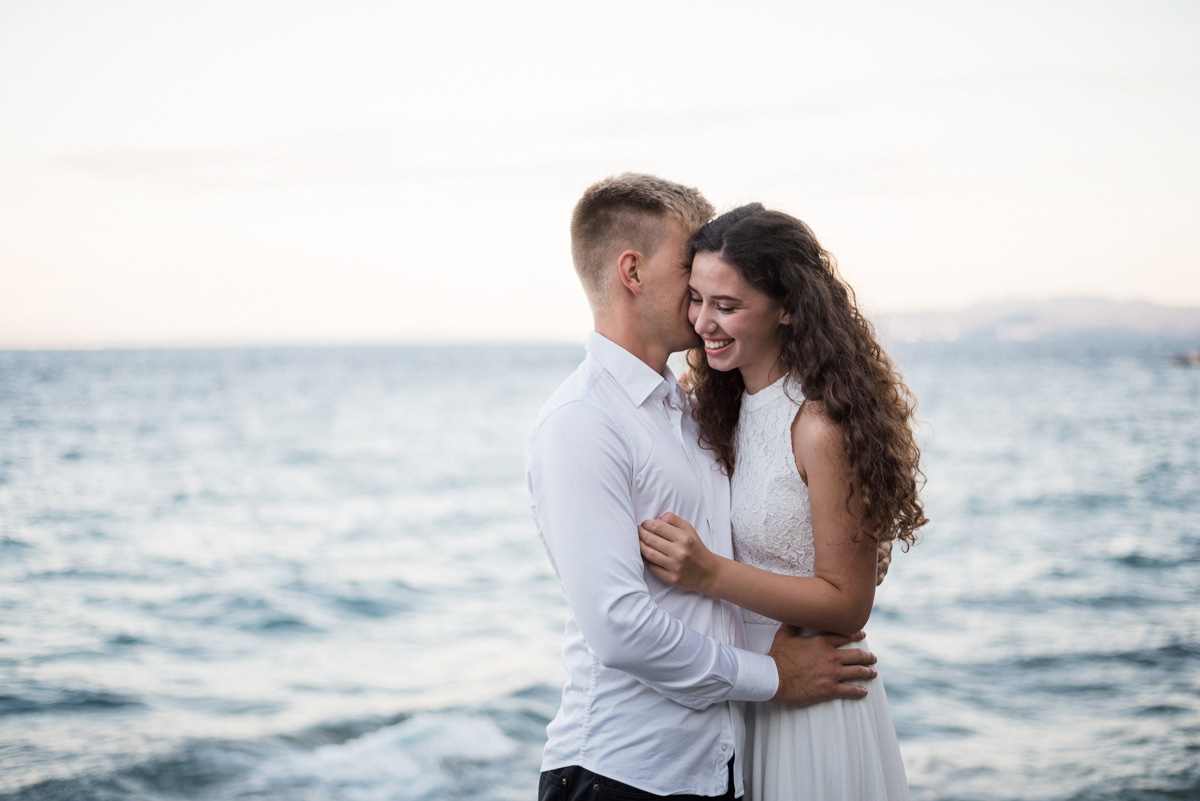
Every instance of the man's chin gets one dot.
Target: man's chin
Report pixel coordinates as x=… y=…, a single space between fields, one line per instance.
x=686 y=344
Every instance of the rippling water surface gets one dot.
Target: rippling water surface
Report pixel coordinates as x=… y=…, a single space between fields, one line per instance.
x=311 y=574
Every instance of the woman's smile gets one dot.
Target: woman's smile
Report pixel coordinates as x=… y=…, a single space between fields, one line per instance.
x=713 y=345
x=741 y=326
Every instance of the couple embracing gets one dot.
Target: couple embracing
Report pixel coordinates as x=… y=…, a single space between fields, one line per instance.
x=683 y=524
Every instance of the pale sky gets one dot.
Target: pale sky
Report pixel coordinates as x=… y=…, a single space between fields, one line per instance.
x=314 y=171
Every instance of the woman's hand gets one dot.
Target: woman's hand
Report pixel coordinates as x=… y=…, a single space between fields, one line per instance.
x=674 y=553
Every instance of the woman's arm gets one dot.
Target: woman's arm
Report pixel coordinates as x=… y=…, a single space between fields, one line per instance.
x=838 y=598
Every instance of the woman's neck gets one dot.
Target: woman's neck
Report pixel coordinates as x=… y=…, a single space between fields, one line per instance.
x=758 y=380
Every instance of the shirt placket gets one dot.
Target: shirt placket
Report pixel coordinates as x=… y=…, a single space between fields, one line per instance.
x=673 y=404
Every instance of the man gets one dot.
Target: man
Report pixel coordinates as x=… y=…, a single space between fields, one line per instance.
x=655 y=673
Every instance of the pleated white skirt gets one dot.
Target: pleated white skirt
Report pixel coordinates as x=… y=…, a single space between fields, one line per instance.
x=833 y=751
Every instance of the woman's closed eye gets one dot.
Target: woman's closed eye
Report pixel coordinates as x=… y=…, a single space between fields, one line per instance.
x=696 y=300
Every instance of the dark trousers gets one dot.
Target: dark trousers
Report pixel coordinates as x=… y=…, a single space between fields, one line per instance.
x=576 y=784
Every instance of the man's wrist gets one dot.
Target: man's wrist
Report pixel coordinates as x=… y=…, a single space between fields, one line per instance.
x=758 y=677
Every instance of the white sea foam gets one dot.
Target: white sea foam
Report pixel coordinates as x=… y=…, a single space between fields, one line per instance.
x=411 y=759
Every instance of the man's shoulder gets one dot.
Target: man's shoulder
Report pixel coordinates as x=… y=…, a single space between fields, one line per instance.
x=581 y=394
x=585 y=407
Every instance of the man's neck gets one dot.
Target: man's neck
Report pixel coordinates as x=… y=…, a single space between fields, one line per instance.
x=628 y=337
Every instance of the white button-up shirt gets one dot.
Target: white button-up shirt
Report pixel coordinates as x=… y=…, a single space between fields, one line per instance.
x=653 y=670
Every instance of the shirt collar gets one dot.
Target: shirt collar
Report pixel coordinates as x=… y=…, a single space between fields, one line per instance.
x=632 y=374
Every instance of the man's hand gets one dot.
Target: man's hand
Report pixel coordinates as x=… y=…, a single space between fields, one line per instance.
x=815 y=669
x=883 y=562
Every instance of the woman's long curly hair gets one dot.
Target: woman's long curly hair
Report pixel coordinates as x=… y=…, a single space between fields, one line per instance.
x=831 y=350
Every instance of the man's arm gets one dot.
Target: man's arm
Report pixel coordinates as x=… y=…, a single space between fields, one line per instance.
x=581 y=476
x=815 y=669
x=580 y=483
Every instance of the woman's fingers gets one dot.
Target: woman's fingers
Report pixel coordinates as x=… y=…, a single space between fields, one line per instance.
x=653 y=539
x=659 y=555
x=655 y=549
x=659 y=565
x=666 y=529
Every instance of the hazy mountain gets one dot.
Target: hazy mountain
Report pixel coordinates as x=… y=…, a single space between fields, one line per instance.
x=1027 y=321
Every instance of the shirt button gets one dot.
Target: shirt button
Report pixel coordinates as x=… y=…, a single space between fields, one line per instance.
x=724 y=747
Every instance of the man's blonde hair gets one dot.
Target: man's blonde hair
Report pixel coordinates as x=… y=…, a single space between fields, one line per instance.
x=628 y=211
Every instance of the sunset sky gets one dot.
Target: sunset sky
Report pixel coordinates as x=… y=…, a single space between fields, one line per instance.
x=275 y=172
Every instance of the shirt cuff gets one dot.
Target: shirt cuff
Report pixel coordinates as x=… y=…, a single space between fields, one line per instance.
x=757 y=677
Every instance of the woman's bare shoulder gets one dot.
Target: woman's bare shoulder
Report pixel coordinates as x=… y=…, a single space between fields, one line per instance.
x=814 y=436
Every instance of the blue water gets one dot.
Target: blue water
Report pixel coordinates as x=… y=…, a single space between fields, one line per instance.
x=311 y=574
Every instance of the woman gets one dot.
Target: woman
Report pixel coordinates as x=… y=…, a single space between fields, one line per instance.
x=813 y=424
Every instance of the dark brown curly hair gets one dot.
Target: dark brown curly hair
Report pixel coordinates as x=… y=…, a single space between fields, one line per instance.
x=831 y=350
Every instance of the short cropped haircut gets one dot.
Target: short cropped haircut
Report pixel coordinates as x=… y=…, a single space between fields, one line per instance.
x=627 y=211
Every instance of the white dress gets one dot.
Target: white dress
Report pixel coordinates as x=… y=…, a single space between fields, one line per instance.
x=829 y=751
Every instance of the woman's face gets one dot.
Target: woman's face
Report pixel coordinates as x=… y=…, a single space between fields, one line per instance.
x=742 y=327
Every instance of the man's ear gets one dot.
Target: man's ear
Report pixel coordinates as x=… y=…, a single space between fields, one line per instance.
x=629 y=266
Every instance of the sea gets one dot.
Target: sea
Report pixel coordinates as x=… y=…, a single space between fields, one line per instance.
x=310 y=573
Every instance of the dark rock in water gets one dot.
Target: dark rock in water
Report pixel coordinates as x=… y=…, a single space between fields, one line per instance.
x=1191 y=357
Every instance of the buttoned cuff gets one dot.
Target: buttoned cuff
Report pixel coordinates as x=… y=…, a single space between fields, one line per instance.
x=757 y=678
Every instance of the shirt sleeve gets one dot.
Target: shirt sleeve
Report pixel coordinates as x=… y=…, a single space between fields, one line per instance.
x=580 y=477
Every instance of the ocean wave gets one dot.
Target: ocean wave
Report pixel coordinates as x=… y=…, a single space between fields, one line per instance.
x=247 y=613
x=40 y=699
x=190 y=772
x=428 y=755
x=327 y=554
x=366 y=599
x=1171 y=654
x=413 y=756
x=1140 y=560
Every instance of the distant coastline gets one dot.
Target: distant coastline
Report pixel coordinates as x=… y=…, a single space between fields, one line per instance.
x=1034 y=321
x=1077 y=319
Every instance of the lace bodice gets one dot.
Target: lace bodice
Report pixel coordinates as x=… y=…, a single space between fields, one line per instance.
x=772 y=521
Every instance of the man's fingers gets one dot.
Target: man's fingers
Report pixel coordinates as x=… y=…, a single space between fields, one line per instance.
x=849 y=691
x=856 y=673
x=838 y=640
x=856 y=656
x=883 y=561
